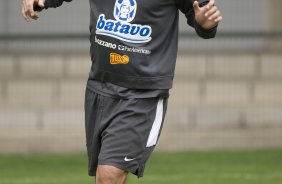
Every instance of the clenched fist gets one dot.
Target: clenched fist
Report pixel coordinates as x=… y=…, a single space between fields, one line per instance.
x=28 y=8
x=207 y=16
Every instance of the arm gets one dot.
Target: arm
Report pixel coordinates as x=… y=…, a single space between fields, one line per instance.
x=203 y=15
x=51 y=4
x=30 y=6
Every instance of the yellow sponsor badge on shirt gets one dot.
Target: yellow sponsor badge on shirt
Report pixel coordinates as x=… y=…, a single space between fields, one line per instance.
x=118 y=59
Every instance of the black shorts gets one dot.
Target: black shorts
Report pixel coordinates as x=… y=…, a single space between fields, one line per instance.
x=121 y=132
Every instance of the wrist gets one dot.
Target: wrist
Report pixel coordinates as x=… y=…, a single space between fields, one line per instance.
x=205 y=32
x=205 y=27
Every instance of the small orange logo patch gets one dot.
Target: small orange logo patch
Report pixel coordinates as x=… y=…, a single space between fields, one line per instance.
x=118 y=59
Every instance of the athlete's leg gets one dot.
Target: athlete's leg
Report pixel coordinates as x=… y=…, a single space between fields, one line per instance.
x=110 y=175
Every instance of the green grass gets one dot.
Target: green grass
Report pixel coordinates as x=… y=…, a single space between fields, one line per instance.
x=213 y=167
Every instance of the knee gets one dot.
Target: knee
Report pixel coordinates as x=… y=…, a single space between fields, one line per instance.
x=110 y=175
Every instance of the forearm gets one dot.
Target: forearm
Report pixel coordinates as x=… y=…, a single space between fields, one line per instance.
x=51 y=4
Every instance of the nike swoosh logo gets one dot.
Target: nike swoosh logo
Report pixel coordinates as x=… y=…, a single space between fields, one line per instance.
x=128 y=159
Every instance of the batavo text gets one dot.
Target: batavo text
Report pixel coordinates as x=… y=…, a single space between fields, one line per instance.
x=133 y=33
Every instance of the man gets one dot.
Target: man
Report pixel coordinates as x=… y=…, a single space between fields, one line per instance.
x=133 y=53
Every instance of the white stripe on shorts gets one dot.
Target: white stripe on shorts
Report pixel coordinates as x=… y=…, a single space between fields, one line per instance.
x=153 y=137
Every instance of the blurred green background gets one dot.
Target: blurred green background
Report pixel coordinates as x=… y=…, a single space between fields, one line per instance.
x=209 y=167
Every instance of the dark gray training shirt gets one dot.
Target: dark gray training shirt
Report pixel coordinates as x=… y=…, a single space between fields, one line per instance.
x=134 y=43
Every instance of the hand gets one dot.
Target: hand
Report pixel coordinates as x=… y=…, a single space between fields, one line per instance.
x=28 y=8
x=207 y=16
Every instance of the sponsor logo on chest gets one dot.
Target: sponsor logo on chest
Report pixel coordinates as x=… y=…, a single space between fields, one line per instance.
x=121 y=28
x=118 y=59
